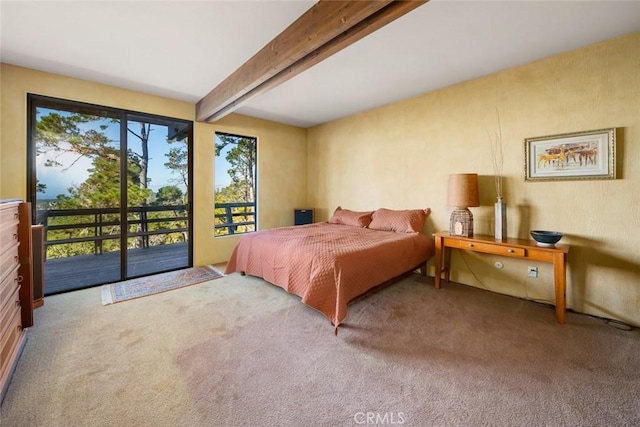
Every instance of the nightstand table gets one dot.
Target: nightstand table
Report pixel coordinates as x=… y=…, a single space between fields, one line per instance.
x=514 y=248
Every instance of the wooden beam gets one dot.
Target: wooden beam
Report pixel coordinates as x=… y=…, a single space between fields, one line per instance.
x=326 y=28
x=350 y=36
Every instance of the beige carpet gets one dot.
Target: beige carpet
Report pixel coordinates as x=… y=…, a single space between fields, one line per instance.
x=239 y=352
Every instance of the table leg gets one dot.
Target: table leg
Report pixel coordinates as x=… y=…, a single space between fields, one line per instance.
x=447 y=263
x=560 y=282
x=438 y=261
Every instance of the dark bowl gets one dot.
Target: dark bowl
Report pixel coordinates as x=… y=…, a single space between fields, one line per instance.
x=546 y=238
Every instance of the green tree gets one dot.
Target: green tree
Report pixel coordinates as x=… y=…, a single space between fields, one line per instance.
x=169 y=195
x=242 y=159
x=143 y=158
x=241 y=156
x=178 y=162
x=143 y=181
x=102 y=188
x=56 y=133
x=62 y=133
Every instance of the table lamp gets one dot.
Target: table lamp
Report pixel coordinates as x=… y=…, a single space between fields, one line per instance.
x=462 y=193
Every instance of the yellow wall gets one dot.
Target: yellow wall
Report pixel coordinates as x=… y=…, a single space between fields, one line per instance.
x=281 y=150
x=282 y=169
x=400 y=155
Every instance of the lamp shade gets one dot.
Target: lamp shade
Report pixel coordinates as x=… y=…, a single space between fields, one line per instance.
x=463 y=190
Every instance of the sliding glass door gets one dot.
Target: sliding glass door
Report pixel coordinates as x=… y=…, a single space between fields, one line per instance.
x=157 y=189
x=112 y=189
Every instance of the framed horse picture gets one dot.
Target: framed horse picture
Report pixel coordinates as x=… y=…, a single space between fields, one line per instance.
x=570 y=156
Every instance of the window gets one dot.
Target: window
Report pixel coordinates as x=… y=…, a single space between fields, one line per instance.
x=235 y=178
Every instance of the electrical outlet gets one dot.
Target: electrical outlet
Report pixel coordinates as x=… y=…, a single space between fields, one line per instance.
x=532 y=272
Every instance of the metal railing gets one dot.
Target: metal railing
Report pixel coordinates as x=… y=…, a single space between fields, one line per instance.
x=98 y=225
x=235 y=218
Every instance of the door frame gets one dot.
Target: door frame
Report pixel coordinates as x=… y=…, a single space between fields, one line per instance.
x=34 y=101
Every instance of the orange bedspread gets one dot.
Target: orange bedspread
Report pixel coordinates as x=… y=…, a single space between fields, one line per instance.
x=328 y=265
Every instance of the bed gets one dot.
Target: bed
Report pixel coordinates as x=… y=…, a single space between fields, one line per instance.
x=329 y=264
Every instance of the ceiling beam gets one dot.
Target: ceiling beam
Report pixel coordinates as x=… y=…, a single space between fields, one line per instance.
x=326 y=28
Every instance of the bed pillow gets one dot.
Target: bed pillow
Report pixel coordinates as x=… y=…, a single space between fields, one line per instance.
x=404 y=221
x=353 y=218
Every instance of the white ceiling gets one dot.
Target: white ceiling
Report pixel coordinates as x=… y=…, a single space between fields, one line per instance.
x=183 y=49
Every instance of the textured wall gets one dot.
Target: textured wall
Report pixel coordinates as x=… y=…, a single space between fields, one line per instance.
x=282 y=172
x=282 y=188
x=400 y=155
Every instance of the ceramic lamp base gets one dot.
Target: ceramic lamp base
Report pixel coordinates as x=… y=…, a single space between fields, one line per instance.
x=461 y=223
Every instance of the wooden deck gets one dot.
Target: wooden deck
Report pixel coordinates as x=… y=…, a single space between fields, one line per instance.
x=84 y=271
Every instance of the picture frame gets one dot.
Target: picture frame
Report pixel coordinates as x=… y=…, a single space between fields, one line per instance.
x=571 y=156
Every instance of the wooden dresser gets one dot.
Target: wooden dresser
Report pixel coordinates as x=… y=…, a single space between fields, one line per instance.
x=16 y=292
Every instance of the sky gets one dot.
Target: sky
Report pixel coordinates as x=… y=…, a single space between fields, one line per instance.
x=222 y=178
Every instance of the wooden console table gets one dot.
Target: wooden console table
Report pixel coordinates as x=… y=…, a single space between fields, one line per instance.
x=515 y=248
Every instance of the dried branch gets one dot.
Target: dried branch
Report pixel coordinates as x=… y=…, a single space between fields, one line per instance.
x=497 y=155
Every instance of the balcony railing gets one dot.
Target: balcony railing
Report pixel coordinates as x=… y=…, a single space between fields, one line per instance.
x=235 y=218
x=98 y=225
